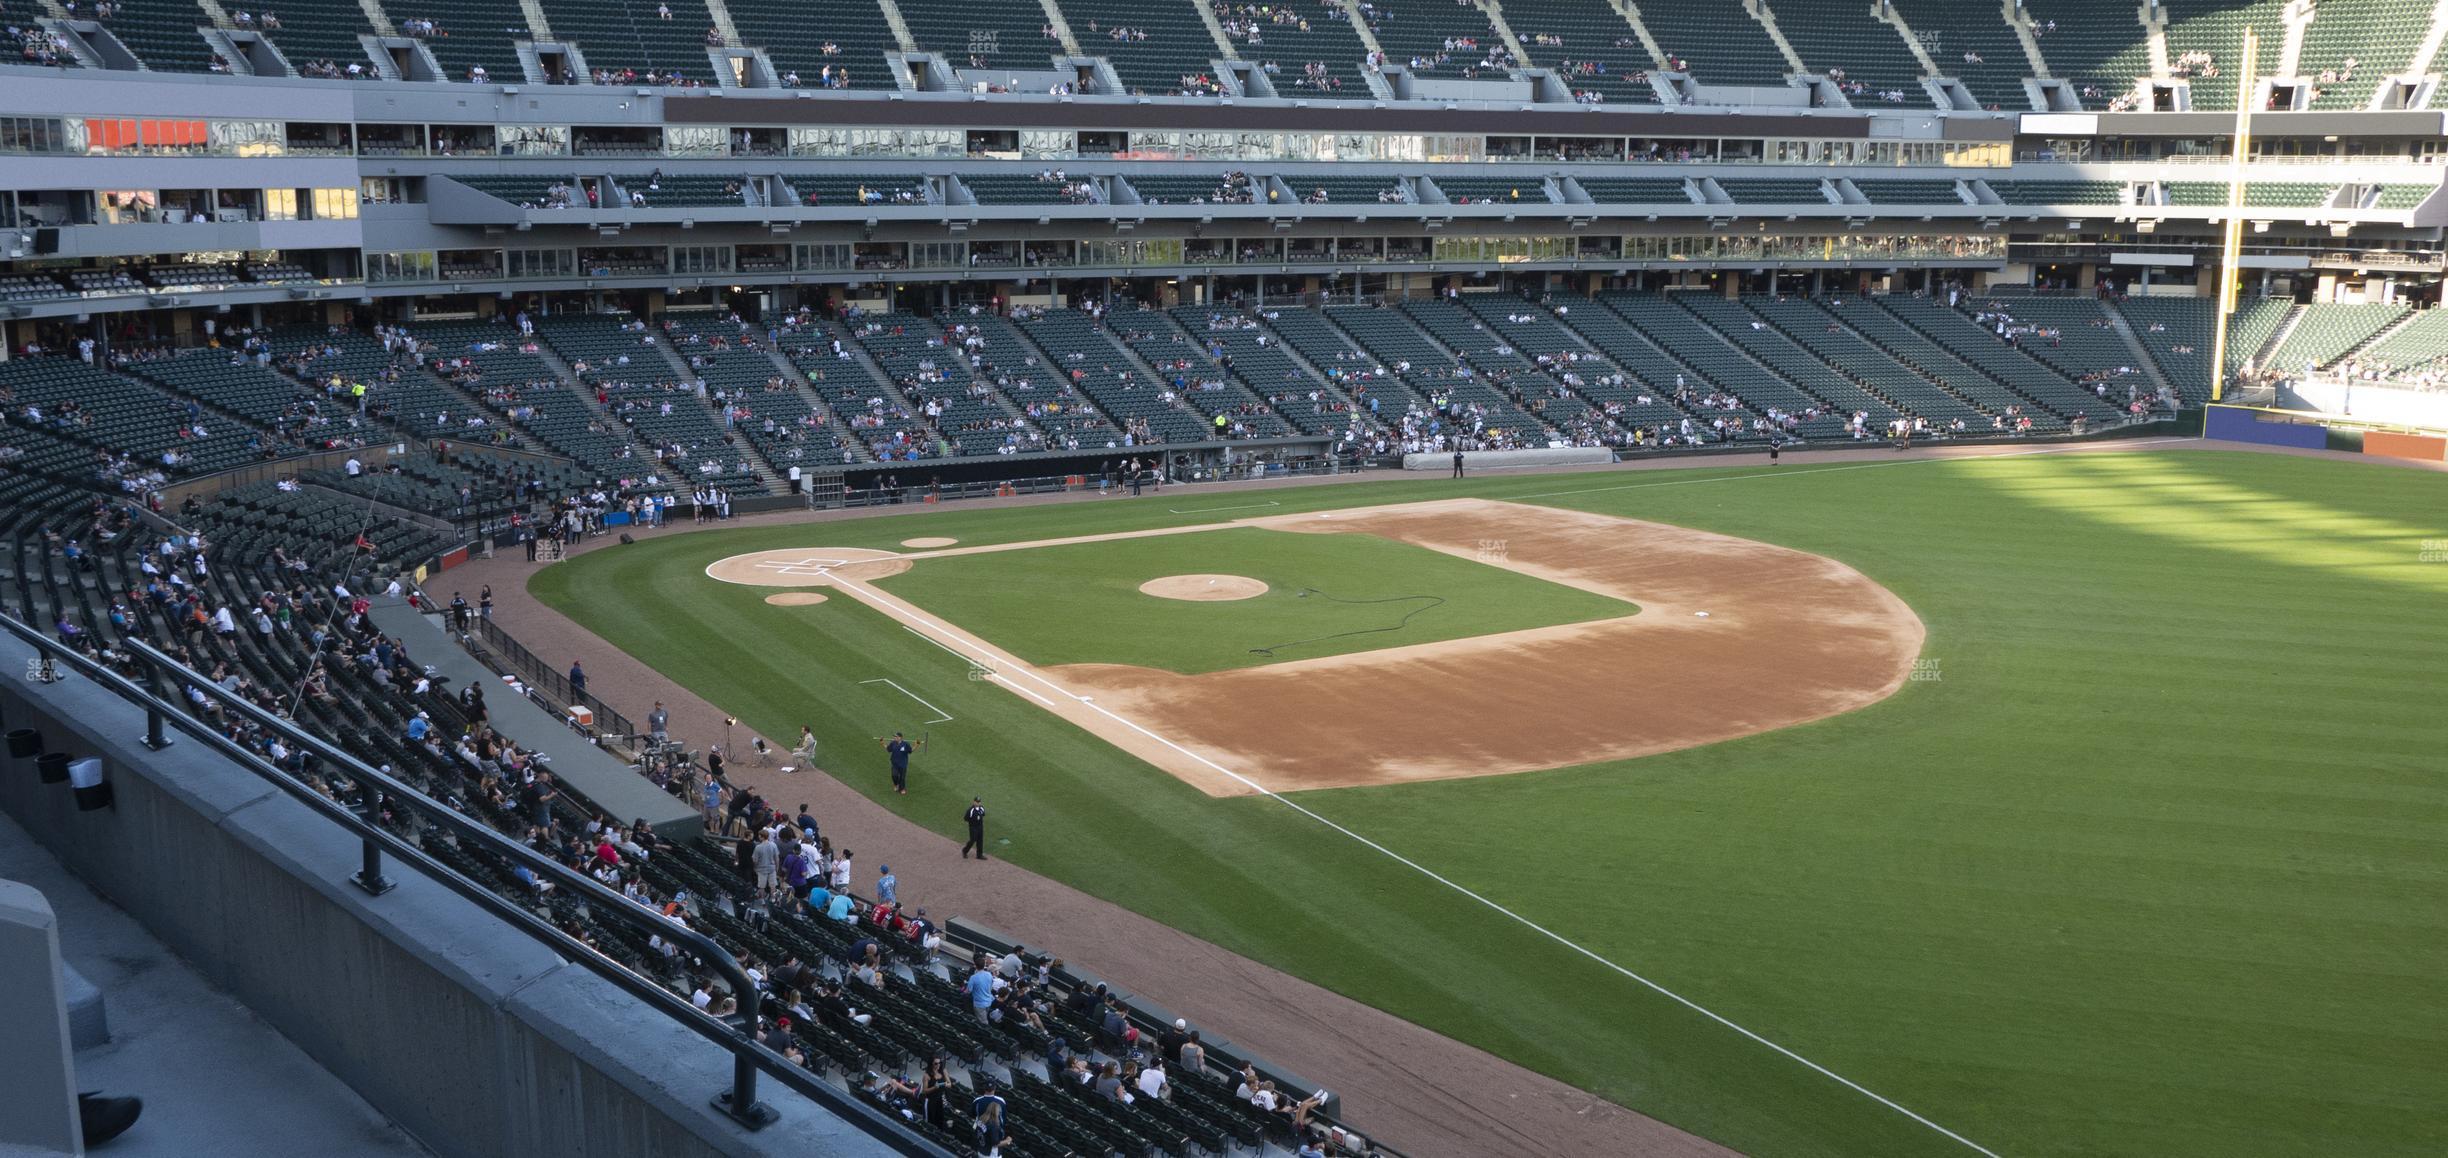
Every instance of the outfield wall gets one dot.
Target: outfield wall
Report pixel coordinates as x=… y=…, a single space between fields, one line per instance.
x=2234 y=424
x=2419 y=447
x=2308 y=430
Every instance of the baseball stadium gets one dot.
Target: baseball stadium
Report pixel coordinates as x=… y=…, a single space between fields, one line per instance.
x=1062 y=579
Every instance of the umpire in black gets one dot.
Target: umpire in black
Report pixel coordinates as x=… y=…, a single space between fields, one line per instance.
x=976 y=816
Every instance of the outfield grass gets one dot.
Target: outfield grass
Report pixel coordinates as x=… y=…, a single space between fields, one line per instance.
x=2157 y=864
x=1327 y=594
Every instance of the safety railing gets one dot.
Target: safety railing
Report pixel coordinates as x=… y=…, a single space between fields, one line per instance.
x=737 y=1101
x=611 y=727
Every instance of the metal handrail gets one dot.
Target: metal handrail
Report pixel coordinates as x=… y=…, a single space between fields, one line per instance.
x=737 y=1102
x=611 y=727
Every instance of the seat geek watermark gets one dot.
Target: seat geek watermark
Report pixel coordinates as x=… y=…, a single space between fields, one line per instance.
x=1495 y=551
x=2433 y=551
x=1925 y=671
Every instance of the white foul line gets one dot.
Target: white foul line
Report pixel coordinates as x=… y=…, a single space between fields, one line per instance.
x=912 y=615
x=1242 y=507
x=940 y=717
x=1005 y=680
x=973 y=664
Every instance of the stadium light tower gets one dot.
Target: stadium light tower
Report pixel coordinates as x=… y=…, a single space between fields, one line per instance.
x=2231 y=248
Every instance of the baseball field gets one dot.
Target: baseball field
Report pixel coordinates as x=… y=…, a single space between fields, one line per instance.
x=2061 y=804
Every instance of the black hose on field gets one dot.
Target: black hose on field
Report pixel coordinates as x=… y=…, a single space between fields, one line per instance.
x=1433 y=601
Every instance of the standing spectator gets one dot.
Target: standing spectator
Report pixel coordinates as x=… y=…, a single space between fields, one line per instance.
x=540 y=794
x=655 y=721
x=577 y=677
x=987 y=1112
x=888 y=887
x=981 y=989
x=933 y=1091
x=798 y=866
x=712 y=800
x=768 y=860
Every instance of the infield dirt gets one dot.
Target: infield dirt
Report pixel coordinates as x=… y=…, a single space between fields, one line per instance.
x=1734 y=637
x=1204 y=588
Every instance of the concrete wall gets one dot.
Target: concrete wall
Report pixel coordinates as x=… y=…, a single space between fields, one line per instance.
x=1502 y=459
x=2367 y=402
x=473 y=1037
x=40 y=1111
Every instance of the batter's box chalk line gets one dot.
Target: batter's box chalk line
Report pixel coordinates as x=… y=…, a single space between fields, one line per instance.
x=802 y=566
x=941 y=717
x=913 y=617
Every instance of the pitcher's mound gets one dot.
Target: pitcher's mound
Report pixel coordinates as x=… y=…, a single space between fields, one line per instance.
x=926 y=541
x=1204 y=588
x=795 y=598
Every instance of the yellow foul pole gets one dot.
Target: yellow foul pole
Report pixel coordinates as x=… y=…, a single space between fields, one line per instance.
x=2231 y=249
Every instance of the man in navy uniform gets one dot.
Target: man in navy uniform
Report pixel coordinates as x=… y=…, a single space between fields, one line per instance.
x=899 y=749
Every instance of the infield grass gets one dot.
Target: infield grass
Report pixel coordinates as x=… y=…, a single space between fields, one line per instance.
x=2153 y=861
x=1327 y=594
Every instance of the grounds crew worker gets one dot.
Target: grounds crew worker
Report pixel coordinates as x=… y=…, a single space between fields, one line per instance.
x=899 y=749
x=976 y=816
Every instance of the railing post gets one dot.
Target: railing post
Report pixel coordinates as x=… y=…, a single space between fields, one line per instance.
x=740 y=1100
x=155 y=738
x=370 y=875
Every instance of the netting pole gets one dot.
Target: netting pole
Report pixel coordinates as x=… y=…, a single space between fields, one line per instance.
x=2232 y=246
